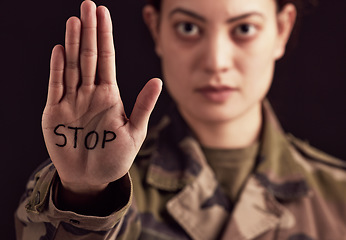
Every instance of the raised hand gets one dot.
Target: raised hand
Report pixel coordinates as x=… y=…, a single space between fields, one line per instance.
x=88 y=136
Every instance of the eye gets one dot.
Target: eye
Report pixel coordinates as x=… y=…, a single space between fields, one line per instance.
x=187 y=29
x=245 y=30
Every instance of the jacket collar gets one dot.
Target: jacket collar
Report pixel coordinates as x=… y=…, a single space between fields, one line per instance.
x=178 y=163
x=176 y=160
x=278 y=178
x=276 y=168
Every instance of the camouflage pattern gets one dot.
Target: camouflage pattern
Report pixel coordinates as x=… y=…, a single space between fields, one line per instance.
x=295 y=193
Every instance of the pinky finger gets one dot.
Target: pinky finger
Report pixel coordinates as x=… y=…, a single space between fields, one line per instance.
x=56 y=78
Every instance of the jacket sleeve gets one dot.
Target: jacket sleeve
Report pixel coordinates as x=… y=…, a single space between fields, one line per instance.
x=37 y=217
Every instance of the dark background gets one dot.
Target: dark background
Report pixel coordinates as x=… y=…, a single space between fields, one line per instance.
x=308 y=92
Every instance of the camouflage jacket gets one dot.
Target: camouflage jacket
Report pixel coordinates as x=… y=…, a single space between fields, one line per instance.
x=294 y=193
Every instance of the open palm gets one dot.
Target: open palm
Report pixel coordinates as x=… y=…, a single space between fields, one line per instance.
x=88 y=136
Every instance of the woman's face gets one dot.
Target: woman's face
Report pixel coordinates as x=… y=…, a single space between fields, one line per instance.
x=218 y=56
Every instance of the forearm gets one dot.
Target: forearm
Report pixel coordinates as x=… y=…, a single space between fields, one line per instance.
x=38 y=216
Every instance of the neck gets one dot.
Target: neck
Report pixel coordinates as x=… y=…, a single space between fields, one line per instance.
x=236 y=133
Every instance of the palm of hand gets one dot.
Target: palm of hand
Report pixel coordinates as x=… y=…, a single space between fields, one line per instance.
x=88 y=136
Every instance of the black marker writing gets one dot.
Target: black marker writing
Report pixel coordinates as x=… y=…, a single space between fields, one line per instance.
x=87 y=137
x=60 y=134
x=107 y=140
x=75 y=134
x=91 y=139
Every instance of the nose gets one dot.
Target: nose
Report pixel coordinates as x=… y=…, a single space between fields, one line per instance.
x=218 y=54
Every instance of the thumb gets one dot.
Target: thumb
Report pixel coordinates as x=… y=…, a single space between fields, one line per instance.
x=145 y=103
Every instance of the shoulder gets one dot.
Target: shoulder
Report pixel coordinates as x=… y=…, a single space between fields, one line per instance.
x=325 y=176
x=315 y=156
x=324 y=173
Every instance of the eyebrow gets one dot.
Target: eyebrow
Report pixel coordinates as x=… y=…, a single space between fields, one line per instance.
x=201 y=18
x=187 y=12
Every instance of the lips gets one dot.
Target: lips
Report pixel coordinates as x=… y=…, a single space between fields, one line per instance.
x=217 y=94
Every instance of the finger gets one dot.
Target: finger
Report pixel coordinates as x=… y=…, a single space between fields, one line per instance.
x=88 y=54
x=72 y=45
x=56 y=78
x=105 y=42
x=145 y=103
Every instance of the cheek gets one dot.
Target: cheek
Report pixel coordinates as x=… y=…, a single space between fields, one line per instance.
x=174 y=74
x=257 y=67
x=178 y=57
x=259 y=56
x=177 y=67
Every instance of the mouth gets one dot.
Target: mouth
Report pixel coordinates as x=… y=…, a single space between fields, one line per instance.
x=216 y=94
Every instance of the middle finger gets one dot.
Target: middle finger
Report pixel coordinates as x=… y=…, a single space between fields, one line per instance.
x=88 y=52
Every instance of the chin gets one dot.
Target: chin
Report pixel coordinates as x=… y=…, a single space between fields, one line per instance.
x=216 y=114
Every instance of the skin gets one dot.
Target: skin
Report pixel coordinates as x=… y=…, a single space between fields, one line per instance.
x=77 y=98
x=218 y=57
x=217 y=53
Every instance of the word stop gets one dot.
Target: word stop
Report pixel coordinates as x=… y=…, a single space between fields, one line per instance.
x=89 y=143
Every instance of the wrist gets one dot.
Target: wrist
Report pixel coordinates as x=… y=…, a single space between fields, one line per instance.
x=77 y=199
x=81 y=190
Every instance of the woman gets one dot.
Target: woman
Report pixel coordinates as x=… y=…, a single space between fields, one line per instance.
x=218 y=166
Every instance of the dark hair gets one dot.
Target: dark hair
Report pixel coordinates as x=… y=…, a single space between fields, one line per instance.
x=155 y=3
x=301 y=5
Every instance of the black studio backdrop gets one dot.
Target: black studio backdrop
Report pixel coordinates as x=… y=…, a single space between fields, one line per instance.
x=308 y=93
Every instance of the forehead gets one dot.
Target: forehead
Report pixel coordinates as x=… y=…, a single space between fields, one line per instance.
x=219 y=9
